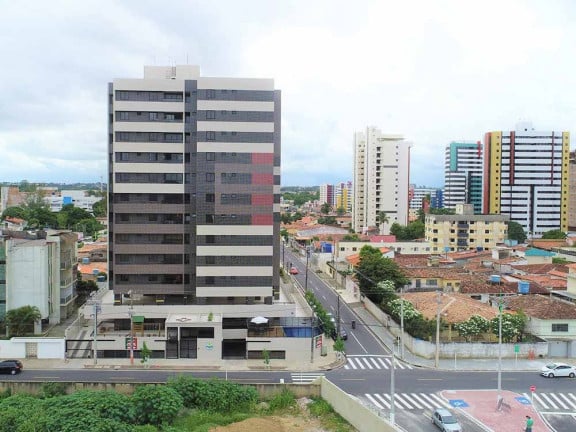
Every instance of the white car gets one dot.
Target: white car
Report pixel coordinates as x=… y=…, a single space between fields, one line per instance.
x=445 y=421
x=552 y=370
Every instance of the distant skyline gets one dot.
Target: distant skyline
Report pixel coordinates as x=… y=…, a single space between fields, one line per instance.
x=434 y=72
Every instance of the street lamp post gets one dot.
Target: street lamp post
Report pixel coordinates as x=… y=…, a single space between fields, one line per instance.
x=499 y=348
x=392 y=390
x=401 y=324
x=131 y=312
x=438 y=309
x=306 y=277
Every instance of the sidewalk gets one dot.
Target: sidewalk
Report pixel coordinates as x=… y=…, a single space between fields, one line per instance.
x=480 y=405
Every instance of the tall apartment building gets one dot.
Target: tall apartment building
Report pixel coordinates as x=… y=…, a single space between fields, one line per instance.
x=417 y=195
x=572 y=192
x=526 y=177
x=327 y=194
x=194 y=215
x=194 y=187
x=381 y=178
x=463 y=174
x=344 y=194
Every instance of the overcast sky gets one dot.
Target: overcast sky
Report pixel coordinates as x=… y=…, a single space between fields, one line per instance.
x=434 y=71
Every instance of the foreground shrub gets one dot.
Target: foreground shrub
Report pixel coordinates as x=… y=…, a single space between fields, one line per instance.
x=282 y=401
x=156 y=404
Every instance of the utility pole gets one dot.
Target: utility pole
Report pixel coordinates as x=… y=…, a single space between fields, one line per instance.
x=96 y=307
x=401 y=323
x=131 y=312
x=306 y=277
x=499 y=339
x=438 y=309
x=392 y=389
x=338 y=318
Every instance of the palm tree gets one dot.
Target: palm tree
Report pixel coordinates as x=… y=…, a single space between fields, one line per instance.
x=21 y=321
x=383 y=220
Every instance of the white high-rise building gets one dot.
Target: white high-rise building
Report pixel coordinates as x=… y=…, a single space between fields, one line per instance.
x=381 y=178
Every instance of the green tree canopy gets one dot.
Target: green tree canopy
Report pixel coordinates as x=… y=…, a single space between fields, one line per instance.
x=412 y=231
x=100 y=208
x=516 y=232
x=373 y=268
x=555 y=234
x=20 y=321
x=325 y=208
x=340 y=211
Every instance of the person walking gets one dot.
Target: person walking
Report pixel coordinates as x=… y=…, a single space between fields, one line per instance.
x=529 y=424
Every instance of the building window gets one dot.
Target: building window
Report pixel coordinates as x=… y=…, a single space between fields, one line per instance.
x=210 y=115
x=210 y=136
x=210 y=197
x=210 y=177
x=431 y=282
x=559 y=327
x=209 y=218
x=153 y=116
x=124 y=115
x=210 y=156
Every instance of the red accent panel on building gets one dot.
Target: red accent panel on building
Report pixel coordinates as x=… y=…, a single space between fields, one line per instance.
x=262 y=219
x=262 y=158
x=262 y=179
x=262 y=199
x=512 y=144
x=486 y=193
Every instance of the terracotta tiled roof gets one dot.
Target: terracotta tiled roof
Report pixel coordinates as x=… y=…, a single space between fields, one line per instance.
x=542 y=307
x=90 y=267
x=469 y=254
x=382 y=238
x=548 y=244
x=455 y=307
x=89 y=247
x=545 y=281
x=434 y=272
x=535 y=268
x=355 y=259
x=411 y=260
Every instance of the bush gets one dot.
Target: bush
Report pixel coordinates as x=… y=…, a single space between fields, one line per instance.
x=52 y=389
x=156 y=404
x=282 y=401
x=214 y=395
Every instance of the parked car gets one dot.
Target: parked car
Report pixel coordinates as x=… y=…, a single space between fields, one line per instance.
x=445 y=420
x=293 y=271
x=11 y=366
x=552 y=370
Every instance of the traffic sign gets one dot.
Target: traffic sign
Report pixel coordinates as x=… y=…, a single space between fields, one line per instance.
x=532 y=388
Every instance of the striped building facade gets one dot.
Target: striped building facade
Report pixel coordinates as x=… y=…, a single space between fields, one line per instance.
x=526 y=177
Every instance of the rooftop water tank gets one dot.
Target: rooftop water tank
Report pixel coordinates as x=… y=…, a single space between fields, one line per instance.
x=86 y=260
x=95 y=271
x=495 y=278
x=523 y=287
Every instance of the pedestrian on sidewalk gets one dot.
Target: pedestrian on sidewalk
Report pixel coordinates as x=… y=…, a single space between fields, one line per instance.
x=529 y=424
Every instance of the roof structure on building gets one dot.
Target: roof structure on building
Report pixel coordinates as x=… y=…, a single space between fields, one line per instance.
x=542 y=307
x=538 y=268
x=383 y=239
x=354 y=260
x=548 y=243
x=455 y=308
x=90 y=268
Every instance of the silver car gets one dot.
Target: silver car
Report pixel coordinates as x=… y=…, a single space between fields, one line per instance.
x=558 y=370
x=445 y=420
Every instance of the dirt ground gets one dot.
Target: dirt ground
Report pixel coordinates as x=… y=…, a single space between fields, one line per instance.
x=273 y=424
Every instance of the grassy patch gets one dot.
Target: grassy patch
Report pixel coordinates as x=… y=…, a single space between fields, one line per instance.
x=329 y=418
x=202 y=421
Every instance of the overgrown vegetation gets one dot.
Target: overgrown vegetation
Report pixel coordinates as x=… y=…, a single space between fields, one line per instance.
x=185 y=404
x=326 y=324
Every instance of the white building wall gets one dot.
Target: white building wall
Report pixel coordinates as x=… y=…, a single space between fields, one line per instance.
x=381 y=178
x=29 y=275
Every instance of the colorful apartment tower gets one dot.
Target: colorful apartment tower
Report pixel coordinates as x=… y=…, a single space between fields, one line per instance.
x=526 y=177
x=463 y=175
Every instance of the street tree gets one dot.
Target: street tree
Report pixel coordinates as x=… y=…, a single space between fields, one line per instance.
x=512 y=326
x=372 y=268
x=20 y=321
x=516 y=232
x=325 y=208
x=555 y=234
x=474 y=326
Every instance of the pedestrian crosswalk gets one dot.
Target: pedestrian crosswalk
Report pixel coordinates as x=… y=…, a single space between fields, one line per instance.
x=407 y=401
x=372 y=362
x=305 y=377
x=555 y=401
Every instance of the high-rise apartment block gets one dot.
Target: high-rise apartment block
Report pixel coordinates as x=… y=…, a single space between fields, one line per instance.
x=526 y=177
x=344 y=194
x=463 y=175
x=194 y=188
x=381 y=178
x=572 y=193
x=327 y=194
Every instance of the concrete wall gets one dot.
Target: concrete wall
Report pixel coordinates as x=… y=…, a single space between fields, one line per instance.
x=543 y=328
x=355 y=413
x=45 y=348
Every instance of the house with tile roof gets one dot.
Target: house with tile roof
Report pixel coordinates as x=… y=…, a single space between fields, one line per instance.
x=548 y=318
